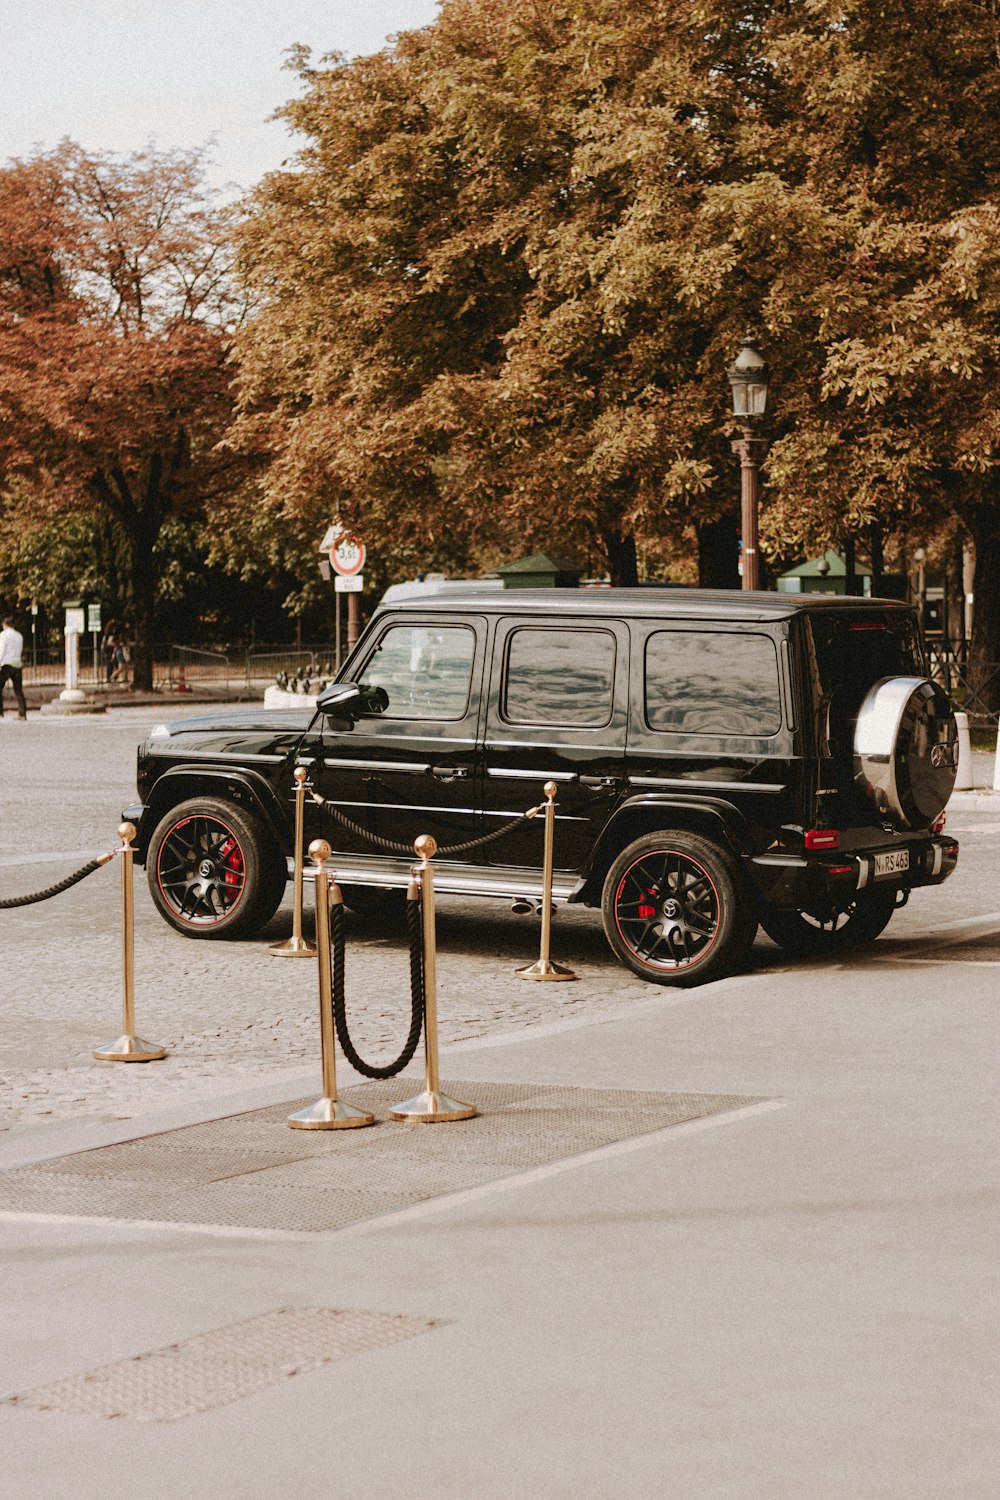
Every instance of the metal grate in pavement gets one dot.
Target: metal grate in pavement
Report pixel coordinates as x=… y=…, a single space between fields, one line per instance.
x=216 y=1368
x=250 y=1171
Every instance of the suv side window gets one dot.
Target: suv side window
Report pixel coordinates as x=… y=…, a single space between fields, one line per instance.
x=559 y=677
x=420 y=672
x=712 y=682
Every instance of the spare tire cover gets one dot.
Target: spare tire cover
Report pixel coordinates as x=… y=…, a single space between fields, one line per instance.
x=906 y=750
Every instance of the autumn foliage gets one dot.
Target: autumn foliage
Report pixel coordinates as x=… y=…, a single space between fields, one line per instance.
x=496 y=289
x=502 y=281
x=116 y=315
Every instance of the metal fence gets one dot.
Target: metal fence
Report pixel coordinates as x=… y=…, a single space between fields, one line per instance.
x=263 y=663
x=45 y=666
x=182 y=669
x=177 y=669
x=951 y=670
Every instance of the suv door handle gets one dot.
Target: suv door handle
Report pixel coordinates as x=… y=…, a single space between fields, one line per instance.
x=450 y=773
x=600 y=783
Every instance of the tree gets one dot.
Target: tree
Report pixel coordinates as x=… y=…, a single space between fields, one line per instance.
x=500 y=286
x=862 y=207
x=116 y=317
x=469 y=336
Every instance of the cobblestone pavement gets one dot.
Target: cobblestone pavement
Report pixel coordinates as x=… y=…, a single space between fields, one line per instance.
x=228 y=1013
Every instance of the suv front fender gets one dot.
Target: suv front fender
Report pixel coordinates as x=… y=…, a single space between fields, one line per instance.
x=712 y=817
x=246 y=788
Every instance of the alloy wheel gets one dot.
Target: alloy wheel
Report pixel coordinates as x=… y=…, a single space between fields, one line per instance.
x=666 y=909
x=201 y=870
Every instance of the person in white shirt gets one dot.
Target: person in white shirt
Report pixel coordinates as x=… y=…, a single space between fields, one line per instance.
x=11 y=646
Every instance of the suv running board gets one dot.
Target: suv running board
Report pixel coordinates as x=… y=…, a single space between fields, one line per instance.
x=449 y=879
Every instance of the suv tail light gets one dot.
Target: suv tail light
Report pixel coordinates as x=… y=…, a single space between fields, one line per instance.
x=822 y=838
x=938 y=825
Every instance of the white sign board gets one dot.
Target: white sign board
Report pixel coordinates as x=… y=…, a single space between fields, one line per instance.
x=348 y=584
x=75 y=621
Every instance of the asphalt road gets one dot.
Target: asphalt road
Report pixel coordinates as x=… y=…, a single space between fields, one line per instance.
x=228 y=1013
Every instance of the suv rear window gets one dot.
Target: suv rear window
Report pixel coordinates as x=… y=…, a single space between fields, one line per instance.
x=559 y=677
x=712 y=682
x=854 y=652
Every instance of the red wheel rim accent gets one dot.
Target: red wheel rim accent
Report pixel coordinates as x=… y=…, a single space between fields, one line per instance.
x=201 y=870
x=666 y=910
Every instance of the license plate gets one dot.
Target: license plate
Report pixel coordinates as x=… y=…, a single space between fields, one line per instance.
x=895 y=863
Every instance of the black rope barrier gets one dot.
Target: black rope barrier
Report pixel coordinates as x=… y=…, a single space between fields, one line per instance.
x=392 y=847
x=62 y=885
x=338 y=946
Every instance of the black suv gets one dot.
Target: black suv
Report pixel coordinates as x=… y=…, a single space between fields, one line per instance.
x=722 y=760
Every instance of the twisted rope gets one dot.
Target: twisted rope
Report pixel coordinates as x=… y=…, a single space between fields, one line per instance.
x=338 y=945
x=392 y=847
x=60 y=886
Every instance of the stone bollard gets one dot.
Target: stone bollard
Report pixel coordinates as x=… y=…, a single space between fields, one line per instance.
x=964 y=780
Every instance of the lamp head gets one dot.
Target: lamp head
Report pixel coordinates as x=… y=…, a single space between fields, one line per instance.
x=749 y=376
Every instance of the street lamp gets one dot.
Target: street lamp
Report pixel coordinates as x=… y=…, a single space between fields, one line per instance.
x=920 y=558
x=749 y=376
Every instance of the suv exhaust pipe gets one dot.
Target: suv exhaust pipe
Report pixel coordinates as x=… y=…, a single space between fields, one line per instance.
x=526 y=906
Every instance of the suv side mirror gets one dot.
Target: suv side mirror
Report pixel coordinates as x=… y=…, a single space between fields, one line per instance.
x=341 y=700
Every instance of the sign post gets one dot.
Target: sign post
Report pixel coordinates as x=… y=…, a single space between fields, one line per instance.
x=94 y=627
x=347 y=559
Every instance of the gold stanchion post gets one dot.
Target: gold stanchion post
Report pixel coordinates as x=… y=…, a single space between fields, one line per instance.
x=297 y=946
x=329 y=1112
x=544 y=968
x=430 y=1107
x=128 y=1047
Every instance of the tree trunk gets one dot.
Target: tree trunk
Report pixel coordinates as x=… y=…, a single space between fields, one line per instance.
x=622 y=564
x=853 y=585
x=142 y=632
x=984 y=650
x=140 y=524
x=878 y=559
x=718 y=556
x=142 y=591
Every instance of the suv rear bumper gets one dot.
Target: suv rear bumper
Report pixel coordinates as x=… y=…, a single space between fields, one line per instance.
x=800 y=881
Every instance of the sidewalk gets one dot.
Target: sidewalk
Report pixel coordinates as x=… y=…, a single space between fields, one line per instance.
x=982 y=797
x=118 y=695
x=570 y=1296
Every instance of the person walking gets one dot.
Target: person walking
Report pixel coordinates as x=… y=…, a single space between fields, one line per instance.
x=11 y=647
x=109 y=642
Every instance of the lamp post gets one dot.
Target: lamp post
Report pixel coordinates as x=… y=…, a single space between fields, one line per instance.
x=749 y=376
x=920 y=558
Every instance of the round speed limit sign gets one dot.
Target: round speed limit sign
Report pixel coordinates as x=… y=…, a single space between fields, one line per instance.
x=347 y=556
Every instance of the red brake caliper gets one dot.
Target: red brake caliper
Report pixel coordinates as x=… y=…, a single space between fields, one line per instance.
x=645 y=911
x=232 y=855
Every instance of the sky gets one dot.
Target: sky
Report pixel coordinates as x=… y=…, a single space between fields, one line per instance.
x=112 y=74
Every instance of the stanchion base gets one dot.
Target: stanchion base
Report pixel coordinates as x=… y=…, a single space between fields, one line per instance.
x=543 y=968
x=430 y=1107
x=293 y=947
x=329 y=1114
x=129 y=1049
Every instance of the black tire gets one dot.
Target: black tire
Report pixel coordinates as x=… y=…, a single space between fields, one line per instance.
x=275 y=881
x=836 y=930
x=376 y=903
x=676 y=910
x=213 y=870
